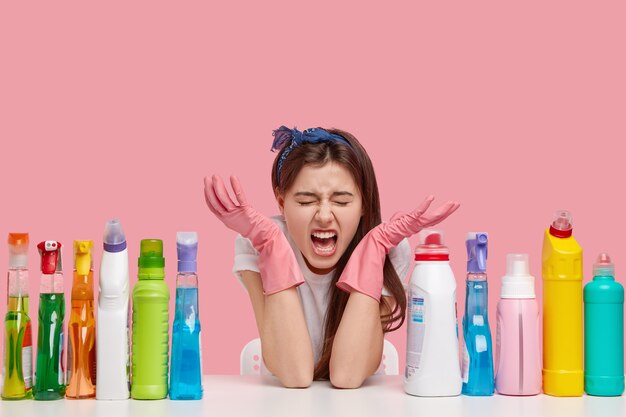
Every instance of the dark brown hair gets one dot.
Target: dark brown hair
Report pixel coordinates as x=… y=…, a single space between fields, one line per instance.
x=358 y=163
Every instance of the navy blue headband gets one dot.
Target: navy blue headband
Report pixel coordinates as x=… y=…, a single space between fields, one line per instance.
x=313 y=135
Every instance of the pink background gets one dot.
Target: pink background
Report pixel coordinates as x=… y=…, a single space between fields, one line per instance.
x=514 y=110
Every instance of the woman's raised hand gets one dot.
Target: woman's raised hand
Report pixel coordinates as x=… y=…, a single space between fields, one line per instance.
x=364 y=270
x=406 y=225
x=238 y=215
x=278 y=266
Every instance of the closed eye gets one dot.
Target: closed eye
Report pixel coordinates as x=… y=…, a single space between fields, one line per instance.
x=305 y=203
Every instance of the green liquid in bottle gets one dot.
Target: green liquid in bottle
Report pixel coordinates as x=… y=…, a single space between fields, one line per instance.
x=17 y=351
x=50 y=381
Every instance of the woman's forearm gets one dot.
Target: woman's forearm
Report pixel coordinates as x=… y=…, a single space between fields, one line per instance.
x=358 y=345
x=287 y=348
x=285 y=340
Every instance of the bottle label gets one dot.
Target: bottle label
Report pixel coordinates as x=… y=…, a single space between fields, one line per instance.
x=415 y=332
x=200 y=351
x=93 y=361
x=69 y=360
x=127 y=345
x=498 y=336
x=27 y=357
x=61 y=378
x=465 y=365
x=481 y=343
x=456 y=315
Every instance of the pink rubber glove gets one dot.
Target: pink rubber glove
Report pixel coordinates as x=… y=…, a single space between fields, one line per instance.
x=277 y=262
x=364 y=270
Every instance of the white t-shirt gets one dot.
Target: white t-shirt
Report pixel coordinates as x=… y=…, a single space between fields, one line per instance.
x=314 y=291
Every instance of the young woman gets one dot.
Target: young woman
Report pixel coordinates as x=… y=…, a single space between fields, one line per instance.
x=324 y=278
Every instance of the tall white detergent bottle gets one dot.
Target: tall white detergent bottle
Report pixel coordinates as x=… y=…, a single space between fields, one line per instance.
x=112 y=331
x=432 y=354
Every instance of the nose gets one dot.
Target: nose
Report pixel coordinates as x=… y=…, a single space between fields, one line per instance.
x=324 y=214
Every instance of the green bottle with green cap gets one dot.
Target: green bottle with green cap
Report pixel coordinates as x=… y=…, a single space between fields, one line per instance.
x=150 y=336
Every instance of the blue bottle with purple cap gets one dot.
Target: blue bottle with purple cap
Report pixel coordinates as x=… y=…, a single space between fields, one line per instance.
x=477 y=367
x=186 y=361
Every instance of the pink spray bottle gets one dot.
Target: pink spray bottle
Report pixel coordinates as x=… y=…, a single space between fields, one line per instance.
x=518 y=358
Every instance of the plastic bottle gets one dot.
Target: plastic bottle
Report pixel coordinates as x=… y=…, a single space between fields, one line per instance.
x=113 y=317
x=18 y=345
x=50 y=371
x=562 y=270
x=477 y=370
x=150 y=325
x=518 y=350
x=432 y=361
x=81 y=359
x=186 y=371
x=604 y=331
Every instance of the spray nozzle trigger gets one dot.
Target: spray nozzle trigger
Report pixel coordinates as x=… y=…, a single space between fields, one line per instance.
x=481 y=250
x=477 y=243
x=50 y=252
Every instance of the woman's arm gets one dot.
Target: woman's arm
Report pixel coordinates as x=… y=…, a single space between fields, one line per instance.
x=285 y=340
x=358 y=345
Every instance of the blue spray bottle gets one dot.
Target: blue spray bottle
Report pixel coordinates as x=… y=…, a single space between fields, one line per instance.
x=477 y=353
x=186 y=367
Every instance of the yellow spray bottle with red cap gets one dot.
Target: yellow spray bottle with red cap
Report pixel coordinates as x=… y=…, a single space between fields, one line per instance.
x=562 y=271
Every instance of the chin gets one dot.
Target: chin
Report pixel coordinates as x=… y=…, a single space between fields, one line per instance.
x=323 y=265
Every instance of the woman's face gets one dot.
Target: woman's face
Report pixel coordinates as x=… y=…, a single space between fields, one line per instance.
x=322 y=209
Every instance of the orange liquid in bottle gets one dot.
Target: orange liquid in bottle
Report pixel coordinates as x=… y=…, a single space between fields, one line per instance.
x=81 y=361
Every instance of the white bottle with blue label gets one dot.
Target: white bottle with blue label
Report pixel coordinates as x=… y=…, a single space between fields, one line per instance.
x=432 y=354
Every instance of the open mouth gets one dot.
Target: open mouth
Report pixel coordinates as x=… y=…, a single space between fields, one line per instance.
x=324 y=242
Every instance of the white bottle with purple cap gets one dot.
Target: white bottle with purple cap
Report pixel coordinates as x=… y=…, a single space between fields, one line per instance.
x=112 y=330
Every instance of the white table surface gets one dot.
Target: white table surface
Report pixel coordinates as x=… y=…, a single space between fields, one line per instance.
x=380 y=396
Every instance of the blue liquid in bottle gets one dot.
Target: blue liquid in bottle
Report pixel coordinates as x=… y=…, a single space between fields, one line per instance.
x=186 y=372
x=186 y=362
x=477 y=375
x=477 y=356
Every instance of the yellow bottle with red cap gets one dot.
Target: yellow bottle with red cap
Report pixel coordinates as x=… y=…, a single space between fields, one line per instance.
x=562 y=271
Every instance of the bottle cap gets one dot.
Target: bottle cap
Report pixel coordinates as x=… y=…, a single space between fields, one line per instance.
x=50 y=251
x=603 y=266
x=18 y=250
x=82 y=256
x=151 y=254
x=517 y=283
x=187 y=249
x=114 y=239
x=431 y=246
x=476 y=244
x=561 y=226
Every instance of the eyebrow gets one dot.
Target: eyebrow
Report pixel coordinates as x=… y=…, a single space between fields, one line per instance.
x=335 y=194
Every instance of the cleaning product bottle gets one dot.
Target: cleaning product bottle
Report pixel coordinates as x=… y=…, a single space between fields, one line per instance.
x=150 y=324
x=50 y=370
x=18 y=345
x=518 y=350
x=432 y=354
x=477 y=352
x=604 y=331
x=186 y=371
x=81 y=360
x=112 y=332
x=562 y=270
